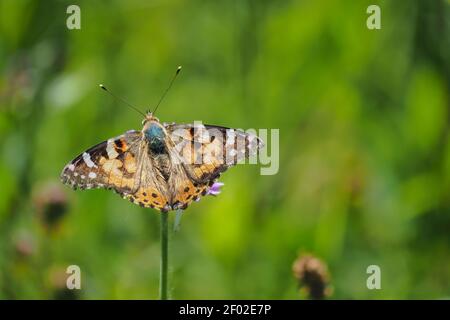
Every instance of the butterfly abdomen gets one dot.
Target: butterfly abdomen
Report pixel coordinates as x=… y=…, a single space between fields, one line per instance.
x=162 y=165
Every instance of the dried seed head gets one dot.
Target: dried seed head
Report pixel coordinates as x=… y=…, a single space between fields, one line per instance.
x=51 y=204
x=312 y=276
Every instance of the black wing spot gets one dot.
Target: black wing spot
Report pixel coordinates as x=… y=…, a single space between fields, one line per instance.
x=118 y=143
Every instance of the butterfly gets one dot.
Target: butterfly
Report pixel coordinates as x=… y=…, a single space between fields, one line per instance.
x=163 y=166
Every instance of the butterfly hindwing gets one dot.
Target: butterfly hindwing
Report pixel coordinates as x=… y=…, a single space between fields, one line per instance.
x=183 y=189
x=152 y=191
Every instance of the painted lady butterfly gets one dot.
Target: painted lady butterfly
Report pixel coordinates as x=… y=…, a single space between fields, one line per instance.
x=164 y=166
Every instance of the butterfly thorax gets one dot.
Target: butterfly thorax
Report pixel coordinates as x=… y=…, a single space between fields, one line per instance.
x=155 y=136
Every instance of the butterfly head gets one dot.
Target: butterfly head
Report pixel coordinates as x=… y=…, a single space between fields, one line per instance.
x=149 y=117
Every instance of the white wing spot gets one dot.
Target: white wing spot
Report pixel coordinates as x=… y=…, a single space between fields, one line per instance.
x=71 y=167
x=92 y=175
x=88 y=161
x=112 y=153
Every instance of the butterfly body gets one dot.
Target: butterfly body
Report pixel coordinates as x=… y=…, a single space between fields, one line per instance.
x=163 y=166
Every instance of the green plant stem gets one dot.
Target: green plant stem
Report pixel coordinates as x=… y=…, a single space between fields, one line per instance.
x=164 y=256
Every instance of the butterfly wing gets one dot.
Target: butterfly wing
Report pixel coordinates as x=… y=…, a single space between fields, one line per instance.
x=206 y=150
x=118 y=164
x=200 y=153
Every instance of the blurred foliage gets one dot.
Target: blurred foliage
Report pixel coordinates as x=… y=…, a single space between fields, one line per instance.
x=364 y=145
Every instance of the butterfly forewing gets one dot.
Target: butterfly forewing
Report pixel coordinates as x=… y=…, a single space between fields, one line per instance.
x=206 y=151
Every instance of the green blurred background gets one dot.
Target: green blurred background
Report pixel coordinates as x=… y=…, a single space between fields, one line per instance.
x=364 y=145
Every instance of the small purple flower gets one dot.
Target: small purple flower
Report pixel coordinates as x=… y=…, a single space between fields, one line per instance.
x=215 y=189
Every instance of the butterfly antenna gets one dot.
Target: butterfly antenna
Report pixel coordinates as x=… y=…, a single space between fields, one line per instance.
x=120 y=99
x=168 y=88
